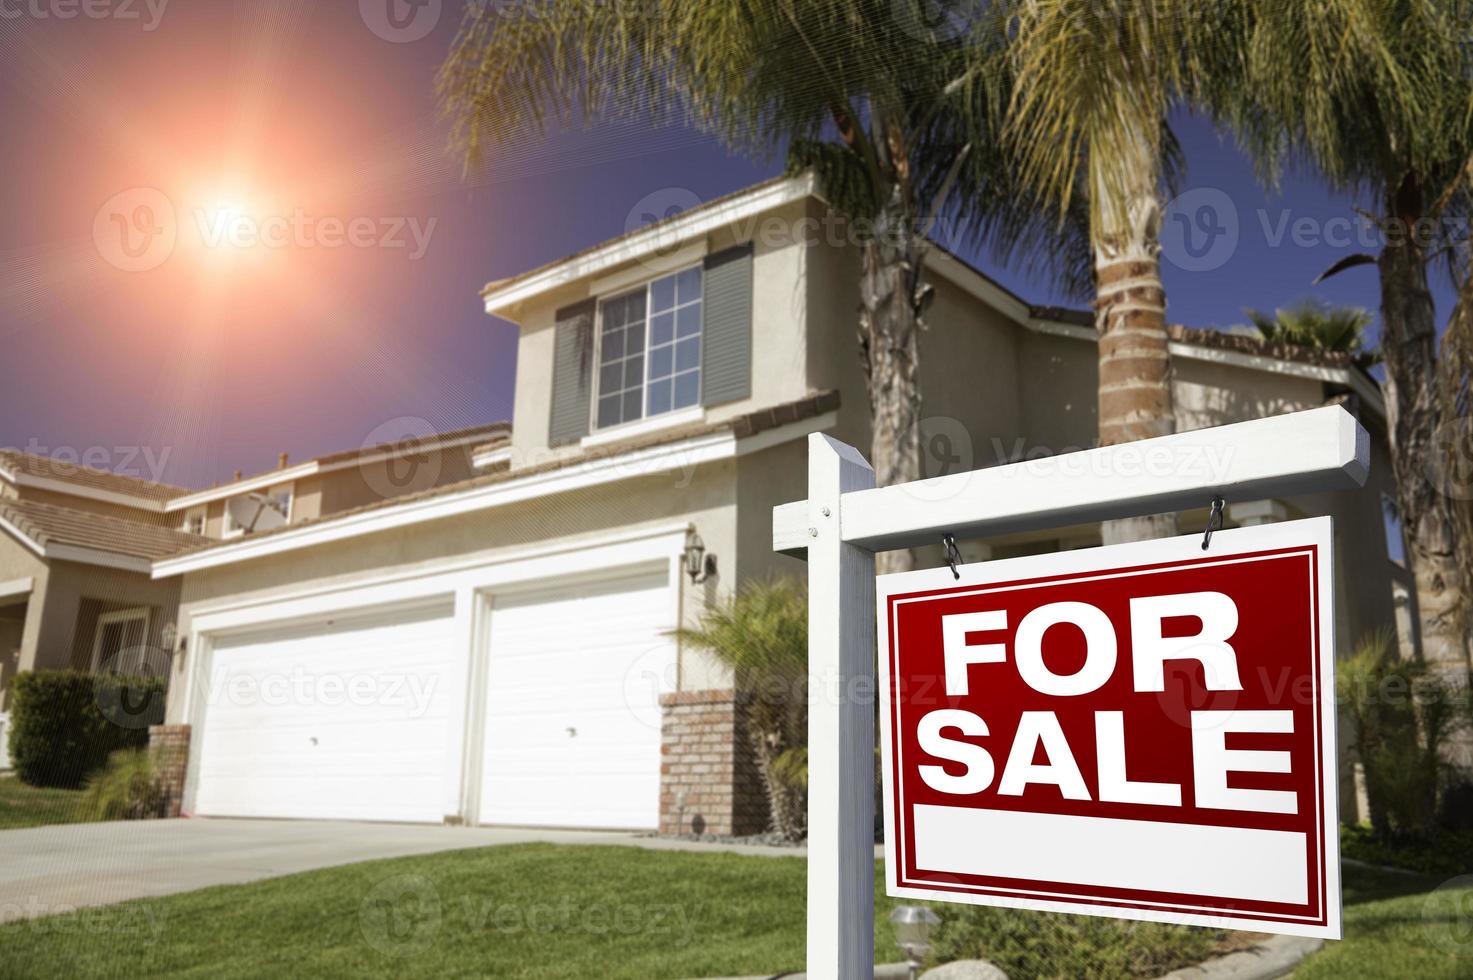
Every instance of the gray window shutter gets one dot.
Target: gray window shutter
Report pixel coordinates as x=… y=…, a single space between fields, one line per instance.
x=572 y=373
x=726 y=326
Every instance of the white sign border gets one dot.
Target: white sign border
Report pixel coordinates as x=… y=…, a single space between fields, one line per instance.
x=1317 y=532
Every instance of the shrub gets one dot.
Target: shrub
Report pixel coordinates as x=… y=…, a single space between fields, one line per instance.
x=762 y=634
x=65 y=724
x=1402 y=718
x=1049 y=944
x=125 y=788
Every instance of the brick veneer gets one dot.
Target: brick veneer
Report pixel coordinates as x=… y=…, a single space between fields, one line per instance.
x=169 y=745
x=709 y=782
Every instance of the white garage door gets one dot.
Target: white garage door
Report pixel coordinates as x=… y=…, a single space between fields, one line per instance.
x=344 y=719
x=572 y=732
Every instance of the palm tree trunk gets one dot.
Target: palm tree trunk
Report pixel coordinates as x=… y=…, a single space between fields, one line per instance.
x=1130 y=314
x=892 y=302
x=1409 y=345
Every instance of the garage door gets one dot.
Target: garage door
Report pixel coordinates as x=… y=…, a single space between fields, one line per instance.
x=572 y=729
x=342 y=719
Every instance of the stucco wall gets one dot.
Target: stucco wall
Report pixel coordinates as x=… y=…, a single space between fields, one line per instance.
x=780 y=354
x=66 y=633
x=18 y=562
x=705 y=496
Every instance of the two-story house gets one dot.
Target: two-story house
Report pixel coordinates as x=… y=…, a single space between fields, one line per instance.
x=78 y=543
x=498 y=650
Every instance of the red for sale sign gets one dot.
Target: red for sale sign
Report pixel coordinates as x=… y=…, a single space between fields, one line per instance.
x=1144 y=731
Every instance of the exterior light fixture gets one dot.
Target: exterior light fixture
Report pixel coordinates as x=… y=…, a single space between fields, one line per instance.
x=913 y=925
x=698 y=565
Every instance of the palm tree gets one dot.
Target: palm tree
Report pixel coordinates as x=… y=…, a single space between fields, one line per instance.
x=762 y=635
x=896 y=119
x=1375 y=95
x=1093 y=83
x=1317 y=325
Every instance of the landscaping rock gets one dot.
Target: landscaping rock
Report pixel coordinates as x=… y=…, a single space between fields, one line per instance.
x=965 y=970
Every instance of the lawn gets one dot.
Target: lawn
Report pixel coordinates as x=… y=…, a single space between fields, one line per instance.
x=542 y=910
x=29 y=806
x=1399 y=925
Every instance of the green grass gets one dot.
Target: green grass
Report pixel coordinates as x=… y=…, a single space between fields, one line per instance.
x=542 y=910
x=29 y=806
x=1411 y=926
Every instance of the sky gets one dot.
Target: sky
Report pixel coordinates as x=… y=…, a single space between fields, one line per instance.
x=233 y=229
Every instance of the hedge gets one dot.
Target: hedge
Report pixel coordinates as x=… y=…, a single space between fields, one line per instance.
x=65 y=724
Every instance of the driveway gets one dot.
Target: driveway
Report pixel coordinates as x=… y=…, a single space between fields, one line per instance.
x=44 y=870
x=56 y=868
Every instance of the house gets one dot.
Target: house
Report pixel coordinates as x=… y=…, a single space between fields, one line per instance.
x=78 y=543
x=498 y=649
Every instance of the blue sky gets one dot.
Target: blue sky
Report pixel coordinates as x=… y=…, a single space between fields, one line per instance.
x=219 y=359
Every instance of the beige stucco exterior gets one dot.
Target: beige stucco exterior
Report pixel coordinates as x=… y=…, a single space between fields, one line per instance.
x=997 y=385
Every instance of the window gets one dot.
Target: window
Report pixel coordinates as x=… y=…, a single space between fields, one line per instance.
x=118 y=644
x=261 y=511
x=194 y=521
x=650 y=350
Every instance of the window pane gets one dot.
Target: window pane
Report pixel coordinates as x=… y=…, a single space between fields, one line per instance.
x=660 y=362
x=610 y=378
x=688 y=354
x=662 y=328
x=634 y=338
x=608 y=411
x=688 y=322
x=687 y=389
x=662 y=294
x=633 y=404
x=634 y=308
x=633 y=372
x=689 y=287
x=613 y=345
x=659 y=397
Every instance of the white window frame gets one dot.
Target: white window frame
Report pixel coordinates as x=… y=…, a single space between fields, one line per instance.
x=104 y=620
x=646 y=422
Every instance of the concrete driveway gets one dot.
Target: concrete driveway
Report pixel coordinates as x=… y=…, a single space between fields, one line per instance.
x=54 y=869
x=45 y=870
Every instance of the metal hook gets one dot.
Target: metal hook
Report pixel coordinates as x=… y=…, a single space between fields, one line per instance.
x=1214 y=519
x=953 y=556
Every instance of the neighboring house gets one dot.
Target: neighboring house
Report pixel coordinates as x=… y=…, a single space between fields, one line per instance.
x=498 y=650
x=77 y=544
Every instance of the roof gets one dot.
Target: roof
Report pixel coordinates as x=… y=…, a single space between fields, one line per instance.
x=47 y=525
x=16 y=463
x=745 y=426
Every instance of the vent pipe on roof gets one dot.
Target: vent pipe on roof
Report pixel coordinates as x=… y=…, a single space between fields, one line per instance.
x=281 y=462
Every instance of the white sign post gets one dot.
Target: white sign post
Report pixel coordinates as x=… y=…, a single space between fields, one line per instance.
x=846 y=519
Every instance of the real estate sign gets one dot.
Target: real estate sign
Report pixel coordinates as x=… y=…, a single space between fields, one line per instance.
x=1143 y=731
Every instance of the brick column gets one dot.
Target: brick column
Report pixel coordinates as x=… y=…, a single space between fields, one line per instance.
x=709 y=782
x=169 y=745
